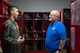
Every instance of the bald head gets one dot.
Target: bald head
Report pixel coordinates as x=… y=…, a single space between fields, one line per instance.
x=56 y=13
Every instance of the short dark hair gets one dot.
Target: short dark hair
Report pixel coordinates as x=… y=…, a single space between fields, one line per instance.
x=10 y=8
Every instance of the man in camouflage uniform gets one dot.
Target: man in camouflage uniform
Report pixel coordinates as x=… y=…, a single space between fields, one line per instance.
x=11 y=33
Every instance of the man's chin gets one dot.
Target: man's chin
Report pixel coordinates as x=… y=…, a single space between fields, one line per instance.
x=50 y=20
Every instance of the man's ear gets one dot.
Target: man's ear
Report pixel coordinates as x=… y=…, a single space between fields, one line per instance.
x=11 y=12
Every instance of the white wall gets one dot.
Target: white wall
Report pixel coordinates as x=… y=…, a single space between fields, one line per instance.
x=40 y=5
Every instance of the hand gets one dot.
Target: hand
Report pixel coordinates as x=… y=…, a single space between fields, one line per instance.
x=60 y=51
x=20 y=39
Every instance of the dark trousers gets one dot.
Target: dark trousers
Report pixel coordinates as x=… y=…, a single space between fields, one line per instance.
x=50 y=52
x=53 y=51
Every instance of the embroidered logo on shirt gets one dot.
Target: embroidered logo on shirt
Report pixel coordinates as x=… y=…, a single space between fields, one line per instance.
x=53 y=28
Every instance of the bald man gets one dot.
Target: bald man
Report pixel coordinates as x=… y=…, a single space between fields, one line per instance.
x=56 y=33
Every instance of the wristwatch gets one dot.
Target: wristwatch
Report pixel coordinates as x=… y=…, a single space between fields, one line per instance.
x=59 y=49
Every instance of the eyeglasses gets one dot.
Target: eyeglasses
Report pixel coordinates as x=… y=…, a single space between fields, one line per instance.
x=53 y=15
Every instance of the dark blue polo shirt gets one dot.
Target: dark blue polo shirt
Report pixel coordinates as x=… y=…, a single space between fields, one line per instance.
x=55 y=32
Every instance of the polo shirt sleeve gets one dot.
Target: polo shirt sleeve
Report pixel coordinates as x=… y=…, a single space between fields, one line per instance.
x=61 y=31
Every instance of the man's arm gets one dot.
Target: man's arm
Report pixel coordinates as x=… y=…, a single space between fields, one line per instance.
x=62 y=42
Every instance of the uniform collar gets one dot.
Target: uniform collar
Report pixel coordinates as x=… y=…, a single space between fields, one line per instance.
x=12 y=20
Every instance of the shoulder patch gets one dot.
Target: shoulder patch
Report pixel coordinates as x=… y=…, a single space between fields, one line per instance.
x=6 y=26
